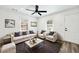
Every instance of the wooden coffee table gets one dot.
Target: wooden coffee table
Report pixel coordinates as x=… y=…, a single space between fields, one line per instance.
x=37 y=41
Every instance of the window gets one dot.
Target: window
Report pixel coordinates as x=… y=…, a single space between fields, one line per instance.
x=49 y=25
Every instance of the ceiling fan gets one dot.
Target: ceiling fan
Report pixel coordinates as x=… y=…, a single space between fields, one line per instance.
x=37 y=11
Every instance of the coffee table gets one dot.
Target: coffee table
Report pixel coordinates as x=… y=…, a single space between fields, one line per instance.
x=37 y=41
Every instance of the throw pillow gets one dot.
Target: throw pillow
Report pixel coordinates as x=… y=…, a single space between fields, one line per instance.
x=24 y=33
x=16 y=34
x=42 y=31
x=31 y=32
x=51 y=33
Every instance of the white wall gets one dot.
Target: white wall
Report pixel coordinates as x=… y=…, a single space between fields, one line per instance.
x=30 y=19
x=32 y=28
x=10 y=14
x=6 y=14
x=58 y=20
x=42 y=23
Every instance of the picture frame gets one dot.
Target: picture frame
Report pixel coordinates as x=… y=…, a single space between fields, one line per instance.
x=33 y=24
x=49 y=22
x=9 y=23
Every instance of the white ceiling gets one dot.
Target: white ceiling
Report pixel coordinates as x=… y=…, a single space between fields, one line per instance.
x=49 y=8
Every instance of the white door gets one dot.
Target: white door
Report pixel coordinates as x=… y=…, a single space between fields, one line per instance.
x=72 y=28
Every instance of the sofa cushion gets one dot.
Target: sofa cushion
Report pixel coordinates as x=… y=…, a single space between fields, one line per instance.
x=49 y=37
x=51 y=33
x=5 y=41
x=16 y=34
x=24 y=33
x=31 y=32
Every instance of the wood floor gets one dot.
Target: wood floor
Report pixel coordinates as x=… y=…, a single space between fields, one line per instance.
x=49 y=47
x=68 y=47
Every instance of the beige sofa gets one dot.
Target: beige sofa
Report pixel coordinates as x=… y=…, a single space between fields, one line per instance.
x=21 y=38
x=10 y=47
x=7 y=46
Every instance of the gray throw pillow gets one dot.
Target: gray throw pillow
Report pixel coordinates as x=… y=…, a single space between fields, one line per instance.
x=24 y=33
x=16 y=34
x=51 y=33
x=42 y=31
x=31 y=32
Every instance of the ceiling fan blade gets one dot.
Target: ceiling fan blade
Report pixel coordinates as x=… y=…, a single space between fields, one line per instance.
x=33 y=13
x=42 y=11
x=29 y=10
x=39 y=13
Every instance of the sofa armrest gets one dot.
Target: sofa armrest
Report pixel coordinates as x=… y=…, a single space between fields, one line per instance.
x=54 y=37
x=8 y=48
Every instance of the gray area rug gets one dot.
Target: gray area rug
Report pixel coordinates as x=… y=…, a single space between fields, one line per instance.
x=43 y=47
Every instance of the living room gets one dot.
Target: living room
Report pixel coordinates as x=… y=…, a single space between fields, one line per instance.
x=51 y=28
